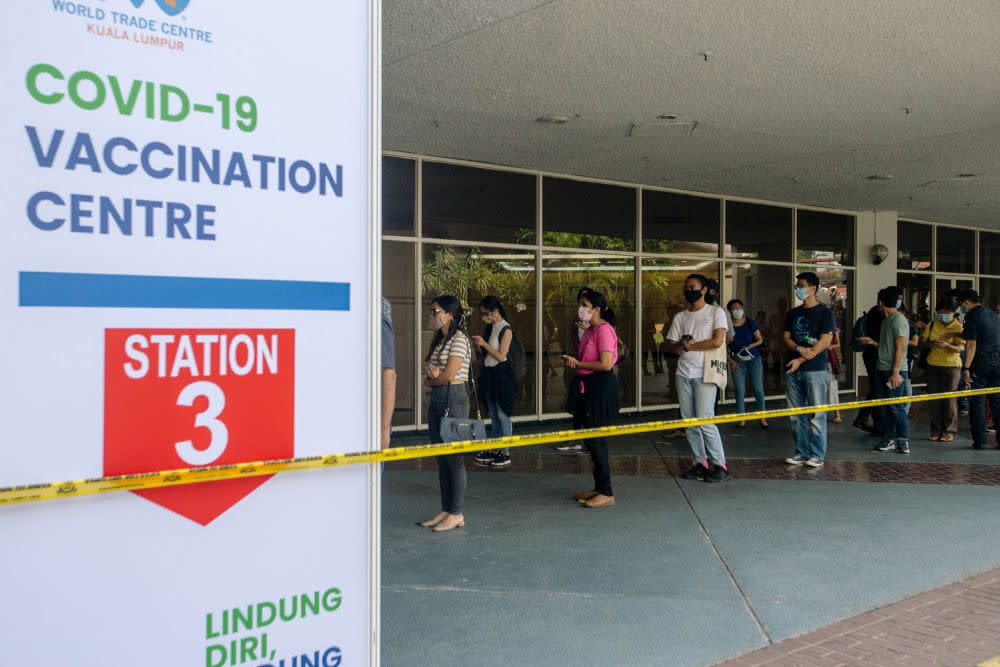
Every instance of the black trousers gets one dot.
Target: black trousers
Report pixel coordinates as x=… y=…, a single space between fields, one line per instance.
x=870 y=359
x=451 y=467
x=985 y=374
x=597 y=406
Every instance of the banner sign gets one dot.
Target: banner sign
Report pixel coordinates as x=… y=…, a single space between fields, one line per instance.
x=186 y=277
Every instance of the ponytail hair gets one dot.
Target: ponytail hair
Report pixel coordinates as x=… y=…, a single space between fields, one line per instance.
x=491 y=302
x=597 y=300
x=453 y=307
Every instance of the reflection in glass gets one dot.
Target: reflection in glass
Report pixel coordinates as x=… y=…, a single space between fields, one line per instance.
x=680 y=224
x=918 y=307
x=913 y=242
x=471 y=204
x=757 y=231
x=989 y=288
x=764 y=291
x=825 y=239
x=563 y=276
x=662 y=298
x=472 y=273
x=989 y=253
x=580 y=214
x=956 y=250
x=836 y=291
x=398 y=287
x=398 y=196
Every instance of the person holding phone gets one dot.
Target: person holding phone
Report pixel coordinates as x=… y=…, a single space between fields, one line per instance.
x=893 y=342
x=944 y=343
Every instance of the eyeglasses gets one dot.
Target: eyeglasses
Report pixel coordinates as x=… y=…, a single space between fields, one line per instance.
x=436 y=311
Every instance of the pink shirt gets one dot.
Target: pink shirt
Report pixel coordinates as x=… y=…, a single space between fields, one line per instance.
x=595 y=341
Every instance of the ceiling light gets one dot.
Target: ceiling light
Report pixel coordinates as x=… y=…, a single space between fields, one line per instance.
x=667 y=116
x=555 y=119
x=966 y=175
x=879 y=177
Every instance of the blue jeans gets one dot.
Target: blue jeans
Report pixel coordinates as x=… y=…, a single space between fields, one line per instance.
x=895 y=422
x=697 y=399
x=500 y=424
x=755 y=369
x=802 y=389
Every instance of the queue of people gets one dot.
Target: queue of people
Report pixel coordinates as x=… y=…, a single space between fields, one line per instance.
x=960 y=347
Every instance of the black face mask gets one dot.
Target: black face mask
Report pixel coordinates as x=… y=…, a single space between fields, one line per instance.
x=692 y=295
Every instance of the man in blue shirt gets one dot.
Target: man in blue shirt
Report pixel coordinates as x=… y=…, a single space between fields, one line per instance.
x=982 y=362
x=809 y=331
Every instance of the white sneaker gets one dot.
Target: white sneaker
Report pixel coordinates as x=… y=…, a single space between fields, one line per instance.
x=796 y=460
x=569 y=447
x=814 y=462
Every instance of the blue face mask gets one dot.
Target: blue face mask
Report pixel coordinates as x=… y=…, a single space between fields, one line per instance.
x=965 y=311
x=945 y=318
x=899 y=304
x=801 y=293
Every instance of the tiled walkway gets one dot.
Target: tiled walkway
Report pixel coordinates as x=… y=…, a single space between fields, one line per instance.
x=957 y=625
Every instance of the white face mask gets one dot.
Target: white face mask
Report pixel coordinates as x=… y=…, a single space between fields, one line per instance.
x=737 y=313
x=584 y=314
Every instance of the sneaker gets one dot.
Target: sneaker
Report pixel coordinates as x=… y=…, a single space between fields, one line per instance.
x=862 y=424
x=717 y=474
x=484 y=458
x=796 y=460
x=884 y=446
x=697 y=471
x=500 y=461
x=902 y=447
x=569 y=447
x=814 y=462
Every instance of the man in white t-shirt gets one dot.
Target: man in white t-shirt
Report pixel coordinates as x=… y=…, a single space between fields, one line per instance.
x=693 y=331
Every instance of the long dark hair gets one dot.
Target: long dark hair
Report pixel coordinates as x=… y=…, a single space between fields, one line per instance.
x=597 y=300
x=453 y=307
x=491 y=302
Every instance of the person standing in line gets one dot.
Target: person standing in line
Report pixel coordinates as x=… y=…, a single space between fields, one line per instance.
x=893 y=343
x=944 y=366
x=870 y=419
x=744 y=353
x=496 y=380
x=809 y=330
x=575 y=332
x=448 y=363
x=388 y=395
x=693 y=331
x=593 y=398
x=982 y=362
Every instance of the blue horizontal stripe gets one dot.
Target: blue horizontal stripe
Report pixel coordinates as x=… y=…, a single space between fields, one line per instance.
x=94 y=290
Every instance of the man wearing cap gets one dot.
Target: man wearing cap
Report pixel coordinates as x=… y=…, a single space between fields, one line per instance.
x=982 y=361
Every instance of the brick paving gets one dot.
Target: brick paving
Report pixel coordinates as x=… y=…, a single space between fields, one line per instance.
x=957 y=625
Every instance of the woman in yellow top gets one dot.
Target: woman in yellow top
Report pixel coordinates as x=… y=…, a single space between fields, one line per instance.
x=943 y=338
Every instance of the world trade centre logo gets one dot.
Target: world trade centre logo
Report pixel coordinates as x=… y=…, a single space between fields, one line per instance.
x=170 y=7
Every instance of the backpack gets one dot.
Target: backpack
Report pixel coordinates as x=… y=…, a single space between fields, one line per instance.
x=859 y=330
x=516 y=356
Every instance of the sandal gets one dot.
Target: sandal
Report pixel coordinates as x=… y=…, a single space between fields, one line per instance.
x=947 y=438
x=935 y=438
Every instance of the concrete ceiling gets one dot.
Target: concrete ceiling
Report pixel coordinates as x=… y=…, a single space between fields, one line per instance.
x=799 y=101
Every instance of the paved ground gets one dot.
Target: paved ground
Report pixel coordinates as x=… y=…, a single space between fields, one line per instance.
x=679 y=573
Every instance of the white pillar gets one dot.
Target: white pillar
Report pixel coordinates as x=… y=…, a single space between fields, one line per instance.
x=873 y=227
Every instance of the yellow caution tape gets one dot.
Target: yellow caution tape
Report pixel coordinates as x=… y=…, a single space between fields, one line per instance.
x=163 y=478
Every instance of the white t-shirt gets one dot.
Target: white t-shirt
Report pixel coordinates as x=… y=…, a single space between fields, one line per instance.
x=701 y=325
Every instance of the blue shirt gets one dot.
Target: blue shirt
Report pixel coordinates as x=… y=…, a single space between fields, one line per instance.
x=743 y=336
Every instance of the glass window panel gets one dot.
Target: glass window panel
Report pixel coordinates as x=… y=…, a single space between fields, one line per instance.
x=680 y=224
x=765 y=292
x=580 y=214
x=956 y=250
x=398 y=286
x=825 y=239
x=563 y=277
x=756 y=231
x=662 y=298
x=990 y=291
x=398 y=196
x=989 y=253
x=472 y=273
x=913 y=243
x=472 y=204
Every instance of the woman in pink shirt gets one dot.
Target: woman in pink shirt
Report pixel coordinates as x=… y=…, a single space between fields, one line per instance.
x=593 y=398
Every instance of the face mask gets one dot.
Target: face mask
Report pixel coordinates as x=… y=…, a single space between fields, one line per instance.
x=434 y=322
x=487 y=319
x=584 y=314
x=737 y=313
x=801 y=293
x=965 y=311
x=899 y=304
x=945 y=318
x=692 y=295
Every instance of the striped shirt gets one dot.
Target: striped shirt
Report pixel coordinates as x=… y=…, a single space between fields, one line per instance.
x=458 y=346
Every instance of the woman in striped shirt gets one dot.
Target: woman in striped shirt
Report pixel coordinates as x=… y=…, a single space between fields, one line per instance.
x=447 y=371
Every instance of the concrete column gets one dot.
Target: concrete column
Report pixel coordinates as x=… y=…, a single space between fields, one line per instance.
x=873 y=227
